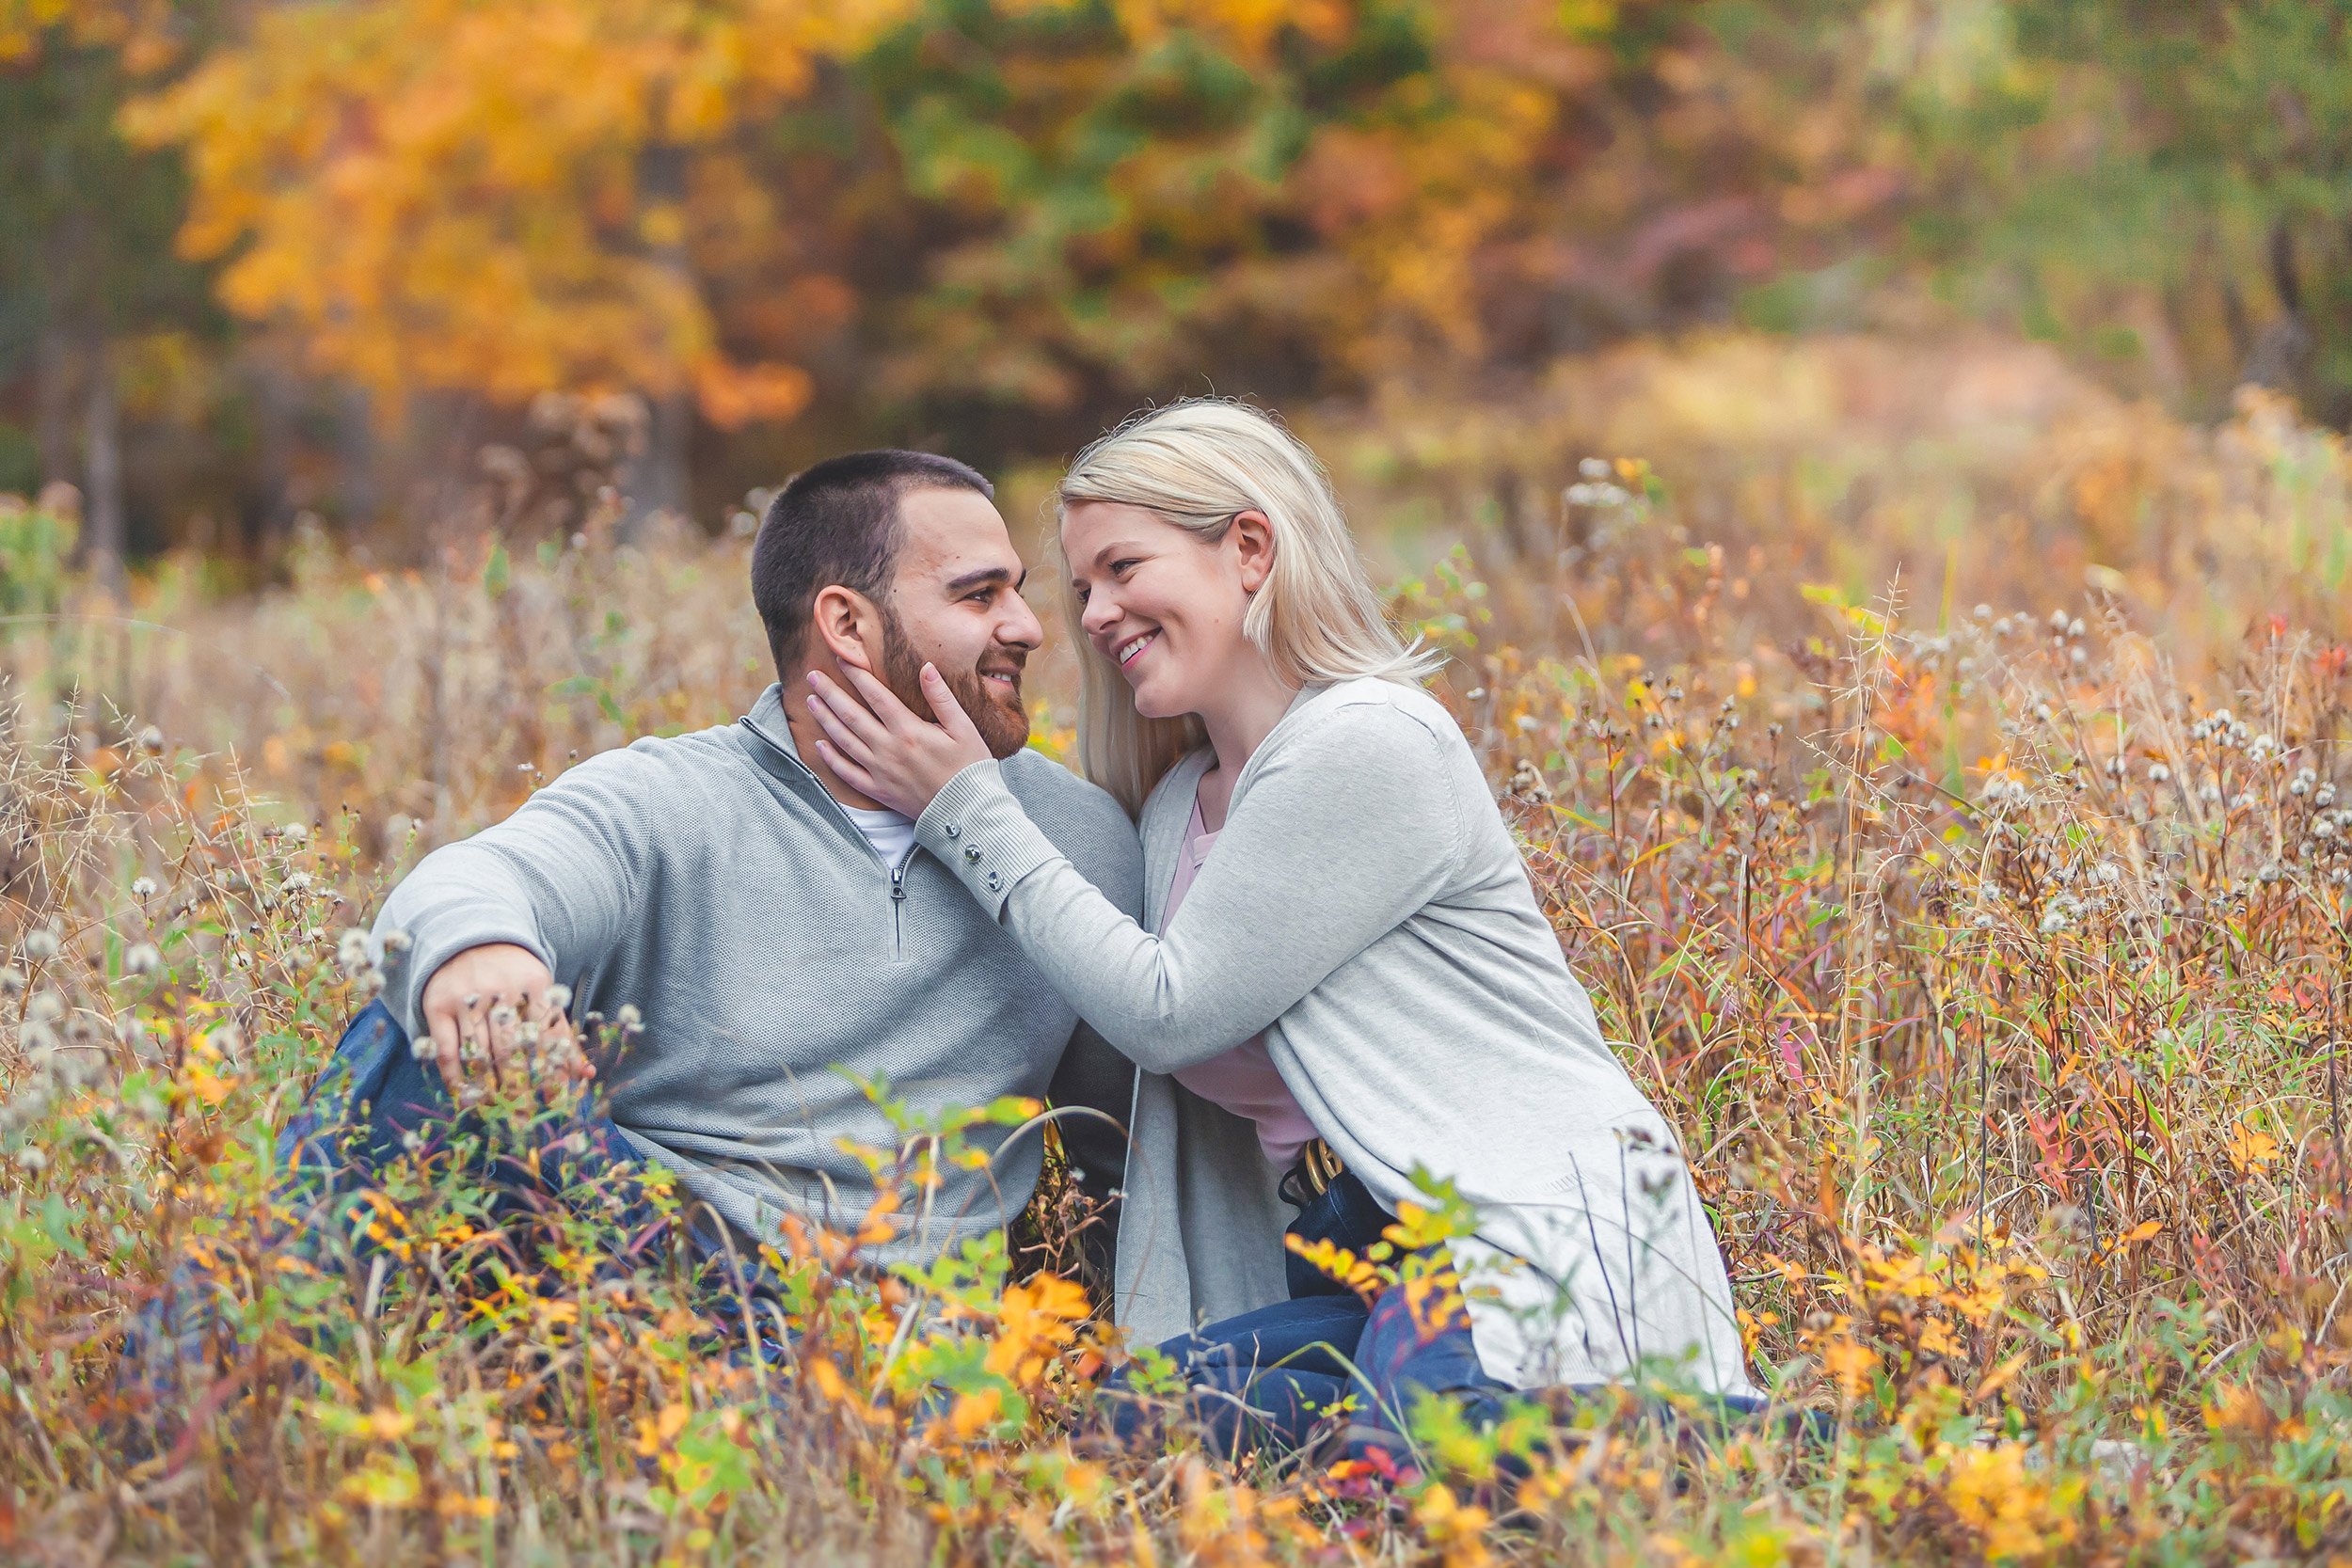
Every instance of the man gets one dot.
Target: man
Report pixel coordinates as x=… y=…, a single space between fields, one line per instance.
x=766 y=930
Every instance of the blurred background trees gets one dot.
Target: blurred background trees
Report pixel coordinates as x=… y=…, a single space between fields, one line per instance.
x=264 y=259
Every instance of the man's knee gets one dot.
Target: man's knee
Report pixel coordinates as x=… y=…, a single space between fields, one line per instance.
x=373 y=1092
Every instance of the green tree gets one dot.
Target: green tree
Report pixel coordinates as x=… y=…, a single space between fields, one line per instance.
x=2166 y=184
x=86 y=263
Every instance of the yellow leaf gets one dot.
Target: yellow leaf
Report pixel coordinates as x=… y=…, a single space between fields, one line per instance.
x=2252 y=1150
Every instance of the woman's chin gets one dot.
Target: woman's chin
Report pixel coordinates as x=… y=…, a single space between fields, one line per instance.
x=1152 y=704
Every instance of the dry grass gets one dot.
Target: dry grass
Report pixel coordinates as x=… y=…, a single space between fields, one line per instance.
x=1992 y=961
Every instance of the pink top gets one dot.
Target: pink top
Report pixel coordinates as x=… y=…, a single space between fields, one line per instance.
x=1244 y=1080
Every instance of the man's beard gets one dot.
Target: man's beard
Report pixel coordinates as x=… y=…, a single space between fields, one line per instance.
x=1003 y=723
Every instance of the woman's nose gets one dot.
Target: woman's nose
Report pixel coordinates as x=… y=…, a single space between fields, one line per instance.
x=1101 y=614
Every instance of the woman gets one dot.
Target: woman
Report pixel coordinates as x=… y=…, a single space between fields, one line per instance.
x=1342 y=950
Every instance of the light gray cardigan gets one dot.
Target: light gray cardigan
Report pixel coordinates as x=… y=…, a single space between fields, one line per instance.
x=1366 y=907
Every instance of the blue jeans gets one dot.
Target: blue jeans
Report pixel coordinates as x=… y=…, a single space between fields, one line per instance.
x=378 y=1102
x=375 y=1105
x=1265 y=1380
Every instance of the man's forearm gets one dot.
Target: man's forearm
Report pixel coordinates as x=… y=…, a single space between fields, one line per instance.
x=460 y=898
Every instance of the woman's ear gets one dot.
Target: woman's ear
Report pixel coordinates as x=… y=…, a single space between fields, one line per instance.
x=1253 y=547
x=848 y=627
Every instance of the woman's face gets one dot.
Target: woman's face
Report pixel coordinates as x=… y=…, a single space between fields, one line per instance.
x=1162 y=603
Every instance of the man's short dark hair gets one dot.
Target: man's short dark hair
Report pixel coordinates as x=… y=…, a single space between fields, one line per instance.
x=839 y=523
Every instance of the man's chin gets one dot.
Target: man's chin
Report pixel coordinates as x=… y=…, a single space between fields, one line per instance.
x=1004 y=727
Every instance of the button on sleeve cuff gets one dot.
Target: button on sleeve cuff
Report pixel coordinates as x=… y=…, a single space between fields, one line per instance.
x=976 y=828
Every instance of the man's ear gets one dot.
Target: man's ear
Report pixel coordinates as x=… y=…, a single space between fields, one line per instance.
x=848 y=627
x=1252 y=534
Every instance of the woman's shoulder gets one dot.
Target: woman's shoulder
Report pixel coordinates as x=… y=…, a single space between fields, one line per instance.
x=1330 y=713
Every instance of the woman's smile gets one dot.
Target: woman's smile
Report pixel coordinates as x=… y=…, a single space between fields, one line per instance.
x=1131 y=649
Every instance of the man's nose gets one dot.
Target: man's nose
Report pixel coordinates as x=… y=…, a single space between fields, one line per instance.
x=1020 y=628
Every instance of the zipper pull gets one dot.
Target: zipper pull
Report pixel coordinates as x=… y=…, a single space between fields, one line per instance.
x=898 y=883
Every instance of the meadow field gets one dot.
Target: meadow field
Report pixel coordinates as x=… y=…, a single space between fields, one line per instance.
x=1934 y=766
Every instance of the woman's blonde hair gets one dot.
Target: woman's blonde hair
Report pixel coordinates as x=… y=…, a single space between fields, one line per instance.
x=1199 y=464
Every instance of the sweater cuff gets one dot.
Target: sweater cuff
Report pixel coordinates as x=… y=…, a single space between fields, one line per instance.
x=976 y=828
x=404 y=995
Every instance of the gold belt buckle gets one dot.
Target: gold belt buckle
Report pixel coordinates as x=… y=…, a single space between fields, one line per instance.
x=1321 y=1166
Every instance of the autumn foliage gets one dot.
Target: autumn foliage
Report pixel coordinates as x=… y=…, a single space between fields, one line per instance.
x=1984 y=940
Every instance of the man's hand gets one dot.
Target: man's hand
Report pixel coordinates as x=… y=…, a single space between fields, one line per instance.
x=498 y=1024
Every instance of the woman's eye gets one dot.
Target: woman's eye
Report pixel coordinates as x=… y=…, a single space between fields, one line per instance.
x=1120 y=568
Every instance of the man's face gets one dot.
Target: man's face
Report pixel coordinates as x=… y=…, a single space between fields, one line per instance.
x=956 y=603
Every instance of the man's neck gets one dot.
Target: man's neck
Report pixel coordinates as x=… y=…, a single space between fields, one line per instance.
x=806 y=734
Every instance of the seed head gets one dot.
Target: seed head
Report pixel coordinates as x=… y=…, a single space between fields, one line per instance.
x=41 y=943
x=143 y=960
x=556 y=998
x=143 y=888
x=11 y=981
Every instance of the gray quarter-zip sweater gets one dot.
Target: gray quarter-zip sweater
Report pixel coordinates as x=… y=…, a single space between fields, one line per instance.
x=710 y=880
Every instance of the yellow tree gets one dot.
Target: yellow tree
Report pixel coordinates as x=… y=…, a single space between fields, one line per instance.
x=505 y=197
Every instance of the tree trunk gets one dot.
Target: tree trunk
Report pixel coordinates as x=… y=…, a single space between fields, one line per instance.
x=659 y=479
x=273 y=419
x=53 y=396
x=355 y=455
x=103 y=536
